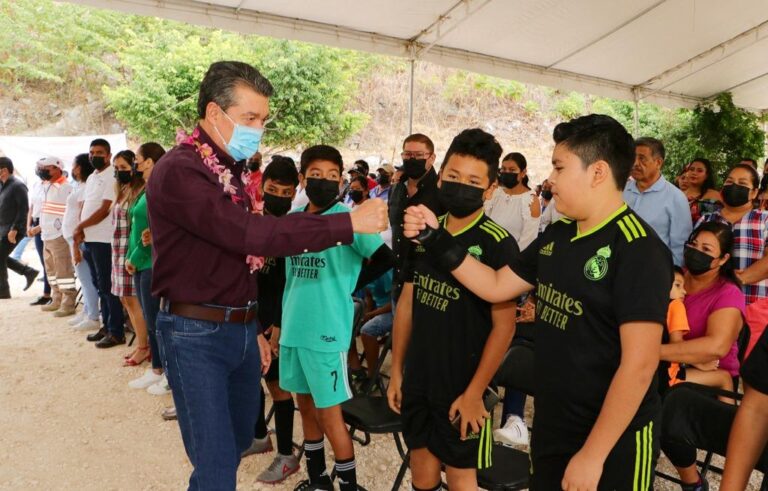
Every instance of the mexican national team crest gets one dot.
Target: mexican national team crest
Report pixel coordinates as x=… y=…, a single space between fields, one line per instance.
x=596 y=267
x=475 y=251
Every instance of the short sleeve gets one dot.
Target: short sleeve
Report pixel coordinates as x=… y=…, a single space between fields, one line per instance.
x=677 y=318
x=643 y=277
x=109 y=191
x=755 y=368
x=502 y=253
x=525 y=264
x=367 y=244
x=730 y=297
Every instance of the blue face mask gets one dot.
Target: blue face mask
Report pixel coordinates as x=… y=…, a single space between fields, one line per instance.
x=244 y=142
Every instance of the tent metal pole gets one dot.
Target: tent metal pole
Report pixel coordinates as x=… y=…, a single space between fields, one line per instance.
x=412 y=61
x=636 y=111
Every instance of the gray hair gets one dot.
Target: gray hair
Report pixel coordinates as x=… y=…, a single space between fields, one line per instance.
x=657 y=148
x=220 y=81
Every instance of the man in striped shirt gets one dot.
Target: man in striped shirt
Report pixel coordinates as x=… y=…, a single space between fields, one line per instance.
x=58 y=262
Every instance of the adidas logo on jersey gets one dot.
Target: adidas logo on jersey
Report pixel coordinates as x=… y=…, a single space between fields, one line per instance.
x=547 y=249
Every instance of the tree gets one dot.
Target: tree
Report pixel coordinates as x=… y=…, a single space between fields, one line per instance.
x=163 y=73
x=718 y=130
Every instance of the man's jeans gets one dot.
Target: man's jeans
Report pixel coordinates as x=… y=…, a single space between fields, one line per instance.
x=150 y=306
x=99 y=257
x=214 y=371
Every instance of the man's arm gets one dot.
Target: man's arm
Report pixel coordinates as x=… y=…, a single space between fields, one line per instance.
x=747 y=440
x=494 y=286
x=381 y=261
x=470 y=403
x=22 y=209
x=640 y=343
x=680 y=226
x=96 y=217
x=401 y=338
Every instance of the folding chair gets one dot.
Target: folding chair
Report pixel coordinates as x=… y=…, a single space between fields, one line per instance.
x=510 y=469
x=377 y=380
x=372 y=415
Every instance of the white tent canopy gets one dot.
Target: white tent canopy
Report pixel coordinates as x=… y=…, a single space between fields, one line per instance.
x=672 y=52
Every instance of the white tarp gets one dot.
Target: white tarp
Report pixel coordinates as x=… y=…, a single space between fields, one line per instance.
x=25 y=151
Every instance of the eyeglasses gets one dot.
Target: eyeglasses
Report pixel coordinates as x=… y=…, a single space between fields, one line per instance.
x=415 y=155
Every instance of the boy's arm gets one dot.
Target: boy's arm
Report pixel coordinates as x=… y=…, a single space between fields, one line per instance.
x=470 y=403
x=381 y=261
x=677 y=336
x=494 y=286
x=401 y=337
x=640 y=343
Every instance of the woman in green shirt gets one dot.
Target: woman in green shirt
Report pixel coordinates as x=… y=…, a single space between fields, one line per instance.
x=139 y=263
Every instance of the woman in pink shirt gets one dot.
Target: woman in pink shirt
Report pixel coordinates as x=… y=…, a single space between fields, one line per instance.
x=716 y=311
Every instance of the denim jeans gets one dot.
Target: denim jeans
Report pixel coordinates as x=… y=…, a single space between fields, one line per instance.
x=19 y=250
x=88 y=289
x=214 y=371
x=99 y=257
x=142 y=284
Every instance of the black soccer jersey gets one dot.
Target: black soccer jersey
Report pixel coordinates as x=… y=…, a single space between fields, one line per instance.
x=271 y=281
x=450 y=323
x=587 y=286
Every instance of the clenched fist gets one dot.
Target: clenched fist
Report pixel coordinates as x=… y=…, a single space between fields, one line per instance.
x=370 y=217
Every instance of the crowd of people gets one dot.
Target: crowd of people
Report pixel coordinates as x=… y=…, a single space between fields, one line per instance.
x=228 y=268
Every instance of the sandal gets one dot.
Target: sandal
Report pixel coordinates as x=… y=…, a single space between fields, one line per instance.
x=130 y=362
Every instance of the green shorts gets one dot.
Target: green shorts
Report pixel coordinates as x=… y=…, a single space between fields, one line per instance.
x=320 y=374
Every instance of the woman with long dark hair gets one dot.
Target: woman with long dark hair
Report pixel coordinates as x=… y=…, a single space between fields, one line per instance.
x=700 y=188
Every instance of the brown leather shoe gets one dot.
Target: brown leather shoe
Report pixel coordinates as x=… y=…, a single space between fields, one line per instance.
x=98 y=335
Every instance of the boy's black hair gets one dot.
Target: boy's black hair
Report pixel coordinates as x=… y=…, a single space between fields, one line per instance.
x=101 y=142
x=282 y=170
x=598 y=137
x=320 y=152
x=678 y=270
x=363 y=164
x=86 y=168
x=480 y=145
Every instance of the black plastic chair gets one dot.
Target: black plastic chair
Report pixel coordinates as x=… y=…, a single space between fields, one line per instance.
x=511 y=467
x=372 y=415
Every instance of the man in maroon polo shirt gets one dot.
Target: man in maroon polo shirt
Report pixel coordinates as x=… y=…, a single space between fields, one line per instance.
x=202 y=232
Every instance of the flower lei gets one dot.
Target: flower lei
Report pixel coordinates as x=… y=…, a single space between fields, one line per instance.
x=251 y=181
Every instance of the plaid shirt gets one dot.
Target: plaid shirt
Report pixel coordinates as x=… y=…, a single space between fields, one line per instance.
x=750 y=235
x=122 y=282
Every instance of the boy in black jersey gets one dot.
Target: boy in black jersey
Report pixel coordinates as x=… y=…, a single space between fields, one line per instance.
x=602 y=282
x=454 y=340
x=279 y=183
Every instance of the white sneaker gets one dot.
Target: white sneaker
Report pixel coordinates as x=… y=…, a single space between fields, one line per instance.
x=514 y=431
x=80 y=317
x=149 y=378
x=160 y=388
x=88 y=325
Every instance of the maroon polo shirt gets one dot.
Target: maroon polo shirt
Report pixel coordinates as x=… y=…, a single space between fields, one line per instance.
x=200 y=237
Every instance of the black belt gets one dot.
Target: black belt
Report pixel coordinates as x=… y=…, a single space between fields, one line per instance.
x=211 y=313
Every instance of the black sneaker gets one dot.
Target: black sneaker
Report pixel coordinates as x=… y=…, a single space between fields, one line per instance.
x=98 y=335
x=324 y=485
x=30 y=275
x=702 y=485
x=41 y=300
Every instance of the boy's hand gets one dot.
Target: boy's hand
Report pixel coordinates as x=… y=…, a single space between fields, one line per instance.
x=416 y=219
x=266 y=355
x=274 y=340
x=583 y=473
x=472 y=413
x=394 y=395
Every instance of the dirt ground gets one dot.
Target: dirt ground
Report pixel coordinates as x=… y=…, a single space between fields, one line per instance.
x=69 y=421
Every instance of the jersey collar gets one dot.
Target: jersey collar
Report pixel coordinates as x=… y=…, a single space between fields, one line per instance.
x=600 y=225
x=444 y=219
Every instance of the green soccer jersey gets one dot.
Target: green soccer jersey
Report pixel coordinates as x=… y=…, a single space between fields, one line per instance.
x=317 y=303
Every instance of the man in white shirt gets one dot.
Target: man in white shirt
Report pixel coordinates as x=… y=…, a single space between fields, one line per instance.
x=96 y=230
x=58 y=264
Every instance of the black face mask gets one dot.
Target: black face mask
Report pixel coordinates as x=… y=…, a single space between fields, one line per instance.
x=124 y=176
x=45 y=174
x=383 y=179
x=322 y=191
x=277 y=205
x=461 y=200
x=98 y=163
x=508 y=179
x=546 y=194
x=736 y=195
x=415 y=168
x=357 y=196
x=696 y=261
